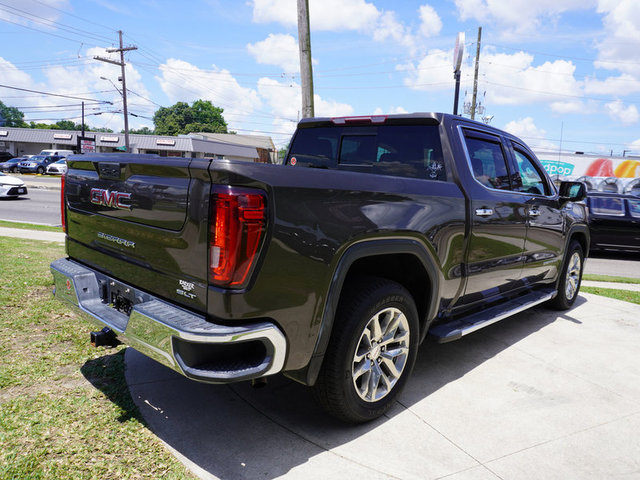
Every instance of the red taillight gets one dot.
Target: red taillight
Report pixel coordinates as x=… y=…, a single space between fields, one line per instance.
x=63 y=216
x=238 y=220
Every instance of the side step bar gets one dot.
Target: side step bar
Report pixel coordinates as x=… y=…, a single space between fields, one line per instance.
x=455 y=329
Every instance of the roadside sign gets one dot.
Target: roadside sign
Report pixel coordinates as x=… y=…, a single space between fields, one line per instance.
x=87 y=145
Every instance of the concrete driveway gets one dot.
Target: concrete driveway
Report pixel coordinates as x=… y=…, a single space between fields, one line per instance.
x=542 y=395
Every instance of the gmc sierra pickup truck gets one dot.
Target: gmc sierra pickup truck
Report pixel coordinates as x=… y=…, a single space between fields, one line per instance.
x=331 y=268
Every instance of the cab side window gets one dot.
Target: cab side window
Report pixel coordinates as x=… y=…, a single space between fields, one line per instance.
x=531 y=179
x=488 y=162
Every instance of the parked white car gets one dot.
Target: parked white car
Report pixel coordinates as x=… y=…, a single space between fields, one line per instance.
x=57 y=168
x=11 y=187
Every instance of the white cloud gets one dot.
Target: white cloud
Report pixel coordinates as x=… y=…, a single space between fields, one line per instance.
x=619 y=47
x=337 y=15
x=626 y=115
x=37 y=9
x=332 y=15
x=433 y=73
x=182 y=81
x=635 y=146
x=612 y=85
x=431 y=24
x=70 y=81
x=518 y=16
x=526 y=129
x=284 y=100
x=515 y=81
x=277 y=49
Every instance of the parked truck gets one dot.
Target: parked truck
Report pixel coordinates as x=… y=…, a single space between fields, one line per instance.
x=332 y=268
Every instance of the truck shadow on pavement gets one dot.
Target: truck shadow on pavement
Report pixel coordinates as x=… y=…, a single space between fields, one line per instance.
x=236 y=431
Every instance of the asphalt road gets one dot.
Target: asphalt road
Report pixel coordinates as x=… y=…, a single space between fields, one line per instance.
x=40 y=206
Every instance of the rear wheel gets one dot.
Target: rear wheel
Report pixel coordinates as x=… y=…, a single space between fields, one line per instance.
x=372 y=351
x=570 y=278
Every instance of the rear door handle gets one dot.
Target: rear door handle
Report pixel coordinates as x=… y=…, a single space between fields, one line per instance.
x=484 y=212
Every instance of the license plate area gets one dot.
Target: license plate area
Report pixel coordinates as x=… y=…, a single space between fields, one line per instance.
x=120 y=297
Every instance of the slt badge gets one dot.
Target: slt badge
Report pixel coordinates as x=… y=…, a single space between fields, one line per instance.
x=186 y=290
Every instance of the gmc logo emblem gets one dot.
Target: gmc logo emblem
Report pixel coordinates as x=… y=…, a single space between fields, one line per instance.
x=106 y=198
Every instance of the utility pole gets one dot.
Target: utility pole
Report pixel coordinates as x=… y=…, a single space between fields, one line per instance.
x=306 y=71
x=475 y=76
x=124 y=83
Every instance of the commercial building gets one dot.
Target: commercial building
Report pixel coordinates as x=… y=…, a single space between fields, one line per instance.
x=30 y=141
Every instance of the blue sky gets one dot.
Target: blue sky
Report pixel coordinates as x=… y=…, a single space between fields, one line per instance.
x=558 y=73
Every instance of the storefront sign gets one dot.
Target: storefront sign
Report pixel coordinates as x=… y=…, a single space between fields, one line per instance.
x=62 y=136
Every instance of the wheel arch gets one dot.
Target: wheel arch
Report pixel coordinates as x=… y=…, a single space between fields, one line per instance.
x=579 y=233
x=405 y=261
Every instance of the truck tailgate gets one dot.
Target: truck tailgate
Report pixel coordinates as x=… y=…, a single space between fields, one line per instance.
x=140 y=217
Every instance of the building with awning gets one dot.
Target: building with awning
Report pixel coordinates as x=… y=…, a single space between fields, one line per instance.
x=30 y=141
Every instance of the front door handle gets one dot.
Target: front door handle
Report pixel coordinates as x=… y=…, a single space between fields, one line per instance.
x=534 y=212
x=484 y=212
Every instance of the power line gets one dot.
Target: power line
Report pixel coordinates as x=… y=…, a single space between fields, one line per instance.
x=75 y=16
x=44 y=21
x=553 y=55
x=55 y=94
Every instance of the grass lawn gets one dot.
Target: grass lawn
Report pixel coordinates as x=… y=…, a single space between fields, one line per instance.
x=626 y=295
x=609 y=278
x=65 y=410
x=29 y=226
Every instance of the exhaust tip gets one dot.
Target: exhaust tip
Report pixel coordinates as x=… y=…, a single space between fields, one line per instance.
x=104 y=338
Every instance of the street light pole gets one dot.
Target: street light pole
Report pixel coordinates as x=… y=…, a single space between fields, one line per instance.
x=124 y=84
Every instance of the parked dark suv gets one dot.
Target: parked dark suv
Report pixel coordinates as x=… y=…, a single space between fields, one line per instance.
x=614 y=221
x=37 y=163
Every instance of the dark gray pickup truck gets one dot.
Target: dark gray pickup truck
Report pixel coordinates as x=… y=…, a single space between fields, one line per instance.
x=332 y=268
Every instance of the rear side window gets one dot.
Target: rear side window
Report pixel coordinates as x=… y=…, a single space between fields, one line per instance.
x=488 y=162
x=315 y=147
x=412 y=151
x=607 y=206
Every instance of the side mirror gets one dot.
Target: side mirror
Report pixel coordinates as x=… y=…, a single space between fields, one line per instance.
x=572 y=191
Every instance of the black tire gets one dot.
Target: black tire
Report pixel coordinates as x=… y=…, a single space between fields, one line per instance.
x=360 y=389
x=40 y=170
x=570 y=278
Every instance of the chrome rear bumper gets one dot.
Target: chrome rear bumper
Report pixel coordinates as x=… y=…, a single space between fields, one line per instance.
x=177 y=338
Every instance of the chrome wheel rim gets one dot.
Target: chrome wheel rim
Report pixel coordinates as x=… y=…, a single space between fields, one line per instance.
x=573 y=276
x=381 y=354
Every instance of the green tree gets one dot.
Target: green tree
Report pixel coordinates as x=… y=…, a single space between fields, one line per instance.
x=141 y=131
x=11 y=116
x=201 y=116
x=65 y=125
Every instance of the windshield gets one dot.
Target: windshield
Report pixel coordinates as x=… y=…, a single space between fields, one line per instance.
x=37 y=158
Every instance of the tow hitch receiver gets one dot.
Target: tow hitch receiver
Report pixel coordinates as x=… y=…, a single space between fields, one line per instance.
x=104 y=338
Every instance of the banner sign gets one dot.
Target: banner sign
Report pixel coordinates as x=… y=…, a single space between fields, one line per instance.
x=574 y=165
